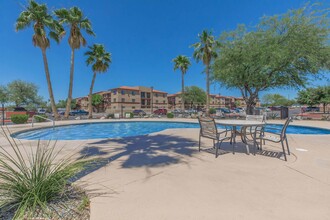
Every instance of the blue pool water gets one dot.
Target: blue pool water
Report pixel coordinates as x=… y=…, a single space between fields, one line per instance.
x=128 y=129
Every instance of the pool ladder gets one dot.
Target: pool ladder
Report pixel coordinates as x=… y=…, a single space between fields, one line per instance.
x=47 y=119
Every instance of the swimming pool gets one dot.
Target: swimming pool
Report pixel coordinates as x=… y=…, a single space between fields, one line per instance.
x=127 y=129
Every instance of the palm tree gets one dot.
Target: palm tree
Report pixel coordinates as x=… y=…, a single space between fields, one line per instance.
x=37 y=14
x=76 y=21
x=182 y=62
x=205 y=51
x=100 y=60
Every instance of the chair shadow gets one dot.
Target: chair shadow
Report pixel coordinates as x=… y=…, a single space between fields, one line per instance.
x=134 y=152
x=240 y=147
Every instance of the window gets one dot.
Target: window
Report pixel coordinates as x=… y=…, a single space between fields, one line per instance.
x=156 y=101
x=156 y=94
x=133 y=107
x=114 y=107
x=143 y=94
x=143 y=102
x=114 y=100
x=133 y=100
x=163 y=95
x=133 y=92
x=114 y=92
x=122 y=100
x=148 y=102
x=123 y=92
x=148 y=95
x=164 y=101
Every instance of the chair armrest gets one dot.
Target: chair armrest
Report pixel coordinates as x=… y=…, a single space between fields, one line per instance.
x=273 y=128
x=272 y=132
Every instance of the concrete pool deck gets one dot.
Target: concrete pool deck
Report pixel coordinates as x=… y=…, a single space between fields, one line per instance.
x=163 y=176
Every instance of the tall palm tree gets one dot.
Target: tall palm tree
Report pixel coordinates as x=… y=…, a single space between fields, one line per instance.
x=75 y=19
x=37 y=14
x=205 y=50
x=182 y=62
x=100 y=60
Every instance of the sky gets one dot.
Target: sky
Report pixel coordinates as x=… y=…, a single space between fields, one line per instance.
x=142 y=36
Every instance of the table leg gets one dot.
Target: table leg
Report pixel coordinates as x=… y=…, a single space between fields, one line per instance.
x=244 y=139
x=234 y=138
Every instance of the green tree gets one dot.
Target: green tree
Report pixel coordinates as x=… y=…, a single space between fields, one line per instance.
x=205 y=51
x=23 y=93
x=182 y=62
x=62 y=104
x=281 y=52
x=237 y=104
x=276 y=100
x=97 y=99
x=77 y=22
x=4 y=94
x=4 y=98
x=37 y=15
x=195 y=96
x=100 y=60
x=315 y=96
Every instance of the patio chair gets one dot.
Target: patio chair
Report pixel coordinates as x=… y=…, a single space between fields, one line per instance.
x=276 y=137
x=208 y=129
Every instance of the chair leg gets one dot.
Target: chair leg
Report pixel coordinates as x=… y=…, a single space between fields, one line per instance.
x=199 y=145
x=213 y=143
x=261 y=143
x=233 y=148
x=283 y=150
x=287 y=145
x=216 y=150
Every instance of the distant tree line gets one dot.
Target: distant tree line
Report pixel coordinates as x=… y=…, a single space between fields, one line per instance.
x=315 y=96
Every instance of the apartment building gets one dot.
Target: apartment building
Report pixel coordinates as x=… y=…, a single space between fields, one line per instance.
x=216 y=101
x=127 y=99
x=82 y=103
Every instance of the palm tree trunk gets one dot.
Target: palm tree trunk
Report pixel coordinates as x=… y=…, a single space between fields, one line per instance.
x=182 y=92
x=207 y=90
x=69 y=99
x=90 y=107
x=49 y=83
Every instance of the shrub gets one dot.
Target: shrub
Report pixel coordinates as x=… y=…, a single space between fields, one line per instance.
x=111 y=116
x=29 y=181
x=170 y=115
x=39 y=119
x=212 y=111
x=131 y=115
x=19 y=119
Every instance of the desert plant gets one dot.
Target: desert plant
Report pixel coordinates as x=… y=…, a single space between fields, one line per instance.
x=29 y=181
x=19 y=119
x=170 y=115
x=273 y=115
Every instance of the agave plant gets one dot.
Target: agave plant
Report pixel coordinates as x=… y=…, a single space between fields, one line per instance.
x=31 y=179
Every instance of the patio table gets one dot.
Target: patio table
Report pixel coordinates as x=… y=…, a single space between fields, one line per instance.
x=244 y=124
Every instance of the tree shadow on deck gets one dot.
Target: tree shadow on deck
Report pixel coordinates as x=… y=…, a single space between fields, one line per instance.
x=140 y=151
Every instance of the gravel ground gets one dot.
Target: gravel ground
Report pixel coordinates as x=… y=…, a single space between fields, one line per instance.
x=73 y=206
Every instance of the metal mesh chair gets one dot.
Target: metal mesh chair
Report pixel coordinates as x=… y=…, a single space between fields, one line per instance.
x=208 y=129
x=276 y=137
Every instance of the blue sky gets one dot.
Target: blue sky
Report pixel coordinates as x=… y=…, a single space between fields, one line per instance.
x=143 y=37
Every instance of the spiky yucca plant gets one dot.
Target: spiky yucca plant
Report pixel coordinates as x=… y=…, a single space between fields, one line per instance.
x=30 y=180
